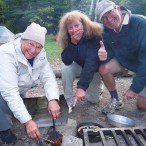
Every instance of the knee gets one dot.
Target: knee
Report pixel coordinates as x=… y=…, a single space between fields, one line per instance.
x=141 y=103
x=103 y=69
x=66 y=70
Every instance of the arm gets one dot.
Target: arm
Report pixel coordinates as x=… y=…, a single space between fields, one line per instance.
x=139 y=81
x=9 y=87
x=90 y=67
x=91 y=64
x=68 y=54
x=10 y=92
x=49 y=82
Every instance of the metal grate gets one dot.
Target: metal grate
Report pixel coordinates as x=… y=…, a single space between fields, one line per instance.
x=135 y=136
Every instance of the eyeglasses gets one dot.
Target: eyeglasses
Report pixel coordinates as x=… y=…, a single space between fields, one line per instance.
x=106 y=16
x=32 y=45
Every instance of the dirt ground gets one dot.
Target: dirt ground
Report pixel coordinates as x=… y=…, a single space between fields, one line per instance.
x=85 y=111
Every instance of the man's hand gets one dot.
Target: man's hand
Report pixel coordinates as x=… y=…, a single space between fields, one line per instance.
x=32 y=130
x=76 y=37
x=102 y=54
x=80 y=96
x=129 y=94
x=54 y=109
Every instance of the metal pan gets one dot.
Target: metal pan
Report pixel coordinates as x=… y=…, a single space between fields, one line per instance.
x=120 y=121
x=45 y=120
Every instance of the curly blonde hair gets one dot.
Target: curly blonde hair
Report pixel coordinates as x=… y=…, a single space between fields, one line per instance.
x=91 y=29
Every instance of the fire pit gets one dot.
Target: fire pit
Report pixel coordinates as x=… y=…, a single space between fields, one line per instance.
x=91 y=126
x=129 y=136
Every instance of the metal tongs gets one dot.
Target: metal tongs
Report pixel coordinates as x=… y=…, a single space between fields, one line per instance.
x=54 y=134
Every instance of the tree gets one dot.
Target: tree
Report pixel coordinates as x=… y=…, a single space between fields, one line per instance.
x=21 y=13
x=18 y=14
x=2 y=10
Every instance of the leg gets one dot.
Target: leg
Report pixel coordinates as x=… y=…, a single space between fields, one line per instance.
x=69 y=74
x=107 y=71
x=95 y=89
x=5 y=112
x=6 y=135
x=141 y=100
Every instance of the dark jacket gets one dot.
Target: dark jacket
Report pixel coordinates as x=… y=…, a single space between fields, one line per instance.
x=129 y=48
x=85 y=54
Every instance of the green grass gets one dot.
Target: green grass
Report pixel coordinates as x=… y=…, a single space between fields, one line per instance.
x=52 y=49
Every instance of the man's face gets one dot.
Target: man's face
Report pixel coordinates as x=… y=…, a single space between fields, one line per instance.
x=112 y=19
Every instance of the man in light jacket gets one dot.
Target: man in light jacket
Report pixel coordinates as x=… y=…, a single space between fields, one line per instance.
x=23 y=61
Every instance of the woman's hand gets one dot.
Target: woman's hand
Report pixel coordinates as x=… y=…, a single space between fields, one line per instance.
x=76 y=37
x=54 y=109
x=80 y=96
x=32 y=130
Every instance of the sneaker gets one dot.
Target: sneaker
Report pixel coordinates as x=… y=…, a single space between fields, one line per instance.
x=112 y=106
x=7 y=137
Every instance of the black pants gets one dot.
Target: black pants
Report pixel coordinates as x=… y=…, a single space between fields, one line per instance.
x=5 y=115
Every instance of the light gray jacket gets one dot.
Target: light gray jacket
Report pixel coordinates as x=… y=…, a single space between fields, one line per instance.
x=17 y=76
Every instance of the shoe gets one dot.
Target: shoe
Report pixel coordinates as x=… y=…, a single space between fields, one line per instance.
x=7 y=137
x=69 y=109
x=112 y=106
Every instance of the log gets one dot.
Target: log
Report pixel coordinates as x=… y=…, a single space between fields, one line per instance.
x=58 y=73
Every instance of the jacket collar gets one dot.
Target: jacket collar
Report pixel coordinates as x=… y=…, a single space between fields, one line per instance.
x=17 y=45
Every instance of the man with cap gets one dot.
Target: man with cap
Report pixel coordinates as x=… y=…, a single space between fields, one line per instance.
x=23 y=61
x=125 y=42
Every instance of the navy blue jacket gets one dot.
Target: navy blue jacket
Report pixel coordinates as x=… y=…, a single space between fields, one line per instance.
x=85 y=54
x=129 y=48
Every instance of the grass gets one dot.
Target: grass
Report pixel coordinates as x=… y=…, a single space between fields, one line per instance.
x=52 y=49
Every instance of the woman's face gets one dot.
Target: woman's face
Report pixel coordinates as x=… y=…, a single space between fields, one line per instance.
x=74 y=27
x=30 y=48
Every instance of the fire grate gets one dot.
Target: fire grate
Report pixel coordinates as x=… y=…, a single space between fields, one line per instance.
x=133 y=136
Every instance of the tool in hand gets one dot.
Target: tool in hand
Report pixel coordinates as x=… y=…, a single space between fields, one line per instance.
x=53 y=133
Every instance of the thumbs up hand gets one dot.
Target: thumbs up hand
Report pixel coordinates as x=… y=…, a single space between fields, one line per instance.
x=102 y=54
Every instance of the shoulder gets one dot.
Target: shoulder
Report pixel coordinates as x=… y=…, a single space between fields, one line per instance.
x=7 y=48
x=93 y=43
x=137 y=19
x=93 y=40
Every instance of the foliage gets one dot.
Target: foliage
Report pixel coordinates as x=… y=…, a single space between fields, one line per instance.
x=136 y=6
x=52 y=49
x=2 y=10
x=18 y=14
x=82 y=5
x=47 y=13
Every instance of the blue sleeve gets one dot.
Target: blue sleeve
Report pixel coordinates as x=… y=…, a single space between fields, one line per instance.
x=139 y=81
x=68 y=54
x=91 y=64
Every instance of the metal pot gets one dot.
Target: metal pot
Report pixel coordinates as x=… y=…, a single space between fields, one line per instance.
x=120 y=121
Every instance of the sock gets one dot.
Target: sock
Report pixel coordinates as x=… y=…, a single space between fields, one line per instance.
x=114 y=94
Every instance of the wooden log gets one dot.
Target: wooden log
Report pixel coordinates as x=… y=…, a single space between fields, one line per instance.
x=58 y=73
